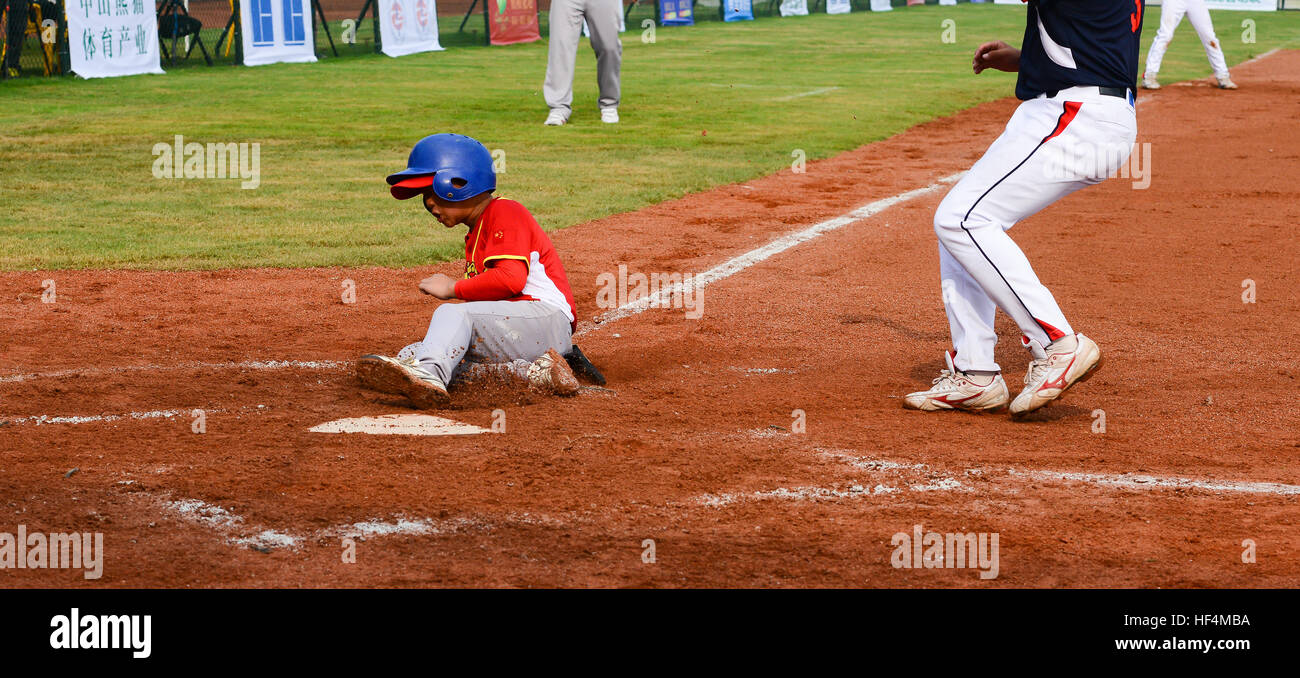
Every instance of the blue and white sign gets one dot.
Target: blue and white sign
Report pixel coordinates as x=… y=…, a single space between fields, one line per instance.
x=737 y=10
x=839 y=6
x=277 y=31
x=676 y=13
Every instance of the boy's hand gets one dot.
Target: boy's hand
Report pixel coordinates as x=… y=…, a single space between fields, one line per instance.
x=998 y=55
x=439 y=285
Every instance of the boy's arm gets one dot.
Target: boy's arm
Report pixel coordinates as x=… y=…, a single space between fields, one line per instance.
x=504 y=279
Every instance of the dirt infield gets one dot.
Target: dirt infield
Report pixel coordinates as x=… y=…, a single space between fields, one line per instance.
x=695 y=445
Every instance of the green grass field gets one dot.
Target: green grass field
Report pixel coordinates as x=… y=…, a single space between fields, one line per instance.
x=78 y=192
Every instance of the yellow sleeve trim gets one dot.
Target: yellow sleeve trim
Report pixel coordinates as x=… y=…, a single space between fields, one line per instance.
x=527 y=263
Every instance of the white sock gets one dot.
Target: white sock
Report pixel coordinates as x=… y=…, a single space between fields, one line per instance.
x=1064 y=345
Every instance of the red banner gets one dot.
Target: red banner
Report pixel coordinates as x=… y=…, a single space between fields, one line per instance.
x=512 y=21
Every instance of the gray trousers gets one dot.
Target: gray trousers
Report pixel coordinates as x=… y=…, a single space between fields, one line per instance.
x=491 y=332
x=603 y=19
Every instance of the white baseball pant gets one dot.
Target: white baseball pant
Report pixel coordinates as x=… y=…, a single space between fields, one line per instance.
x=1050 y=148
x=1171 y=13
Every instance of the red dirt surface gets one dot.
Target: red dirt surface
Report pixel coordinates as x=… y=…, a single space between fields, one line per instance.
x=693 y=444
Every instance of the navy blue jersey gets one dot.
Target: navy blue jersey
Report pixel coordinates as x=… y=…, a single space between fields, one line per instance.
x=1079 y=42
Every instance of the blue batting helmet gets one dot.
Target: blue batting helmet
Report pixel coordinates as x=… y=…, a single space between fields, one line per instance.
x=443 y=161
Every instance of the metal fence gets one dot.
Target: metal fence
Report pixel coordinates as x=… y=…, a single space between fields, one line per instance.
x=32 y=36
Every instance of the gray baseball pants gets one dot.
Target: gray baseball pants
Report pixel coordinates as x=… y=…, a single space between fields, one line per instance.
x=603 y=19
x=494 y=332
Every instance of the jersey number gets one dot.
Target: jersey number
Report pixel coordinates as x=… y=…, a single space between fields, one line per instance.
x=1136 y=17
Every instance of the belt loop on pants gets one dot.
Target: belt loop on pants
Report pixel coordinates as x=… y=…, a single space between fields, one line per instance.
x=1124 y=93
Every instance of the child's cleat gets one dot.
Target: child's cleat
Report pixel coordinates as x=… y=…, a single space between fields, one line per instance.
x=1149 y=82
x=1226 y=83
x=552 y=373
x=556 y=118
x=1064 y=363
x=403 y=377
x=955 y=390
x=609 y=115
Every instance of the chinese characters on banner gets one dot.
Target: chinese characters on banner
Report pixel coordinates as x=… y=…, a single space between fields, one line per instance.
x=277 y=30
x=107 y=38
x=408 y=26
x=512 y=21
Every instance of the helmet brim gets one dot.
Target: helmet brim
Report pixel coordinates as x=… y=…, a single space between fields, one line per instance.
x=410 y=172
x=410 y=186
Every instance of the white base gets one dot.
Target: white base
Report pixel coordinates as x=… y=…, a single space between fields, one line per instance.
x=400 y=425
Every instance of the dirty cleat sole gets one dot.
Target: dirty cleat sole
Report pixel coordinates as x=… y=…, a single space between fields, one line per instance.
x=388 y=375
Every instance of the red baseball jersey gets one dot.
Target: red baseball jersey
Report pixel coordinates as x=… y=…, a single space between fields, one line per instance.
x=506 y=230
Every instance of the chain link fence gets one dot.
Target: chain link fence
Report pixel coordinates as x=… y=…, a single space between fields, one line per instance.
x=33 y=33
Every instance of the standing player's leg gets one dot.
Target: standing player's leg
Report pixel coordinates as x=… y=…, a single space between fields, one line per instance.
x=1200 y=18
x=561 y=57
x=972 y=379
x=970 y=316
x=1010 y=182
x=1050 y=148
x=1171 y=12
x=603 y=20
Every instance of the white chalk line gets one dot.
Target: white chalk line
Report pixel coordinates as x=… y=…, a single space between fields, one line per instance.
x=1261 y=57
x=46 y=419
x=809 y=93
x=1134 y=481
x=236 y=530
x=940 y=483
x=247 y=365
x=739 y=263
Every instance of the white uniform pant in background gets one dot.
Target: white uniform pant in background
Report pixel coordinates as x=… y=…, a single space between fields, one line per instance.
x=1050 y=148
x=495 y=332
x=1171 y=12
x=603 y=20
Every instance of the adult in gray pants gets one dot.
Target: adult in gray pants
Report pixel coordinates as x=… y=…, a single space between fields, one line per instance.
x=603 y=20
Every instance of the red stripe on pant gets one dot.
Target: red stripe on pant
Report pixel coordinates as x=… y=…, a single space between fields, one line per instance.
x=1052 y=333
x=1071 y=110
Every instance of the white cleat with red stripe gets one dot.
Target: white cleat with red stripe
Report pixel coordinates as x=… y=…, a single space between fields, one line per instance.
x=1062 y=364
x=955 y=390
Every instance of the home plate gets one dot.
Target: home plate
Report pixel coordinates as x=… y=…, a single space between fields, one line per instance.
x=400 y=425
